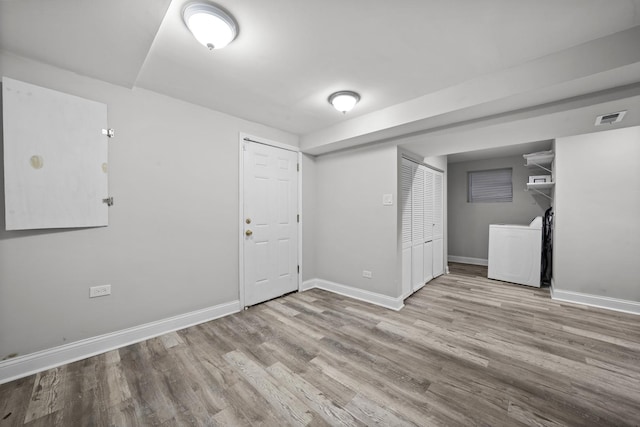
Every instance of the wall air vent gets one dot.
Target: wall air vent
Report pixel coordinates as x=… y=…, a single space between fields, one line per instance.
x=611 y=118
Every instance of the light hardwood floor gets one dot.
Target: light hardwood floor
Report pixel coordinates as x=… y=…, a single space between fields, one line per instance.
x=464 y=351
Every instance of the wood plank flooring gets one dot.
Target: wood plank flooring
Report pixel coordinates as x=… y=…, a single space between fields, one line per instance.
x=464 y=351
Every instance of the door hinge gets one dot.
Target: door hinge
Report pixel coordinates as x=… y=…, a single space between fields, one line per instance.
x=298 y=216
x=108 y=201
x=110 y=133
x=298 y=269
x=298 y=167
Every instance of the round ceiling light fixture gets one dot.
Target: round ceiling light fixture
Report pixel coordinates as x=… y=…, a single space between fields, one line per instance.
x=210 y=25
x=344 y=100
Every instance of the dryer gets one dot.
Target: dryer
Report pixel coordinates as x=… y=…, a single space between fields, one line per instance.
x=514 y=252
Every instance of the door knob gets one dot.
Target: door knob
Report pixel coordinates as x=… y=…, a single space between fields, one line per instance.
x=248 y=232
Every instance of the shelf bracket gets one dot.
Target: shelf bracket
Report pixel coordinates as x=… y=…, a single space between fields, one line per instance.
x=540 y=166
x=540 y=192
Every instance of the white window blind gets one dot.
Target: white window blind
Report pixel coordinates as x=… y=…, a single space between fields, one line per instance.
x=490 y=186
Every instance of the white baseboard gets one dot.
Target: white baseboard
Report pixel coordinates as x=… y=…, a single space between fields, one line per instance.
x=468 y=260
x=29 y=364
x=625 y=306
x=351 y=292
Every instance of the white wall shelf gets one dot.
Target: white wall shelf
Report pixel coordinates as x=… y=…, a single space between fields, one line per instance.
x=540 y=185
x=542 y=188
x=542 y=160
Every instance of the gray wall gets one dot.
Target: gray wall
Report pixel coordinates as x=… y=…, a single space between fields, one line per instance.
x=468 y=223
x=354 y=231
x=172 y=242
x=597 y=212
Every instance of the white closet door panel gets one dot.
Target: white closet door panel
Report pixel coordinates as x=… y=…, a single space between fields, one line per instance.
x=438 y=228
x=417 y=266
x=428 y=261
x=55 y=158
x=406 y=177
x=406 y=272
x=422 y=225
x=417 y=205
x=438 y=257
x=417 y=227
x=428 y=204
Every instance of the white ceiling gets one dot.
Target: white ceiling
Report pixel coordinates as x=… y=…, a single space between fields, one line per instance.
x=464 y=59
x=108 y=40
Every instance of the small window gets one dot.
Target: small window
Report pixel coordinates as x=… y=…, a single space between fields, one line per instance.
x=490 y=186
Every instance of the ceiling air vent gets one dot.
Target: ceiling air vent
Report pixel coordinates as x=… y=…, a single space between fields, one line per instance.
x=611 y=118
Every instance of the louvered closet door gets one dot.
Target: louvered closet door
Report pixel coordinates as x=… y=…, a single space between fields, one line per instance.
x=428 y=224
x=438 y=224
x=406 y=177
x=417 y=228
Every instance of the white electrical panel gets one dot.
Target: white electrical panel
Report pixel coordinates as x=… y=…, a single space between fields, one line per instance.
x=55 y=158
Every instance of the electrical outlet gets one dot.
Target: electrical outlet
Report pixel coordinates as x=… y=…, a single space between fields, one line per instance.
x=367 y=274
x=99 y=291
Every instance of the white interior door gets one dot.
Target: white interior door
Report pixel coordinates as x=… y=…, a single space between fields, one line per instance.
x=438 y=224
x=422 y=225
x=417 y=227
x=406 y=176
x=428 y=224
x=270 y=224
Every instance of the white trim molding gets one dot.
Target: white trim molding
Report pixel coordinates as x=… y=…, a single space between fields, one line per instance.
x=609 y=303
x=19 y=367
x=355 y=293
x=468 y=260
x=260 y=140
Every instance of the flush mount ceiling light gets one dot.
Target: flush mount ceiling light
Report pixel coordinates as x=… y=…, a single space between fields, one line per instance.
x=210 y=25
x=344 y=100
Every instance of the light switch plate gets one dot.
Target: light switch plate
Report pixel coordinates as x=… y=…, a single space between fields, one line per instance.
x=387 y=199
x=99 y=291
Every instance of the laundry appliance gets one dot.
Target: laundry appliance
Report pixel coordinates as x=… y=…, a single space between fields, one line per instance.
x=514 y=252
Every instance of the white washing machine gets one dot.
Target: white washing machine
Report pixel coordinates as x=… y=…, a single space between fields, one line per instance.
x=514 y=252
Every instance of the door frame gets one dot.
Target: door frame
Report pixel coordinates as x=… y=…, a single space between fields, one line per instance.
x=242 y=138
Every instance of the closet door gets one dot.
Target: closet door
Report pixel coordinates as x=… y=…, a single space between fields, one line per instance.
x=428 y=225
x=417 y=227
x=406 y=177
x=438 y=224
